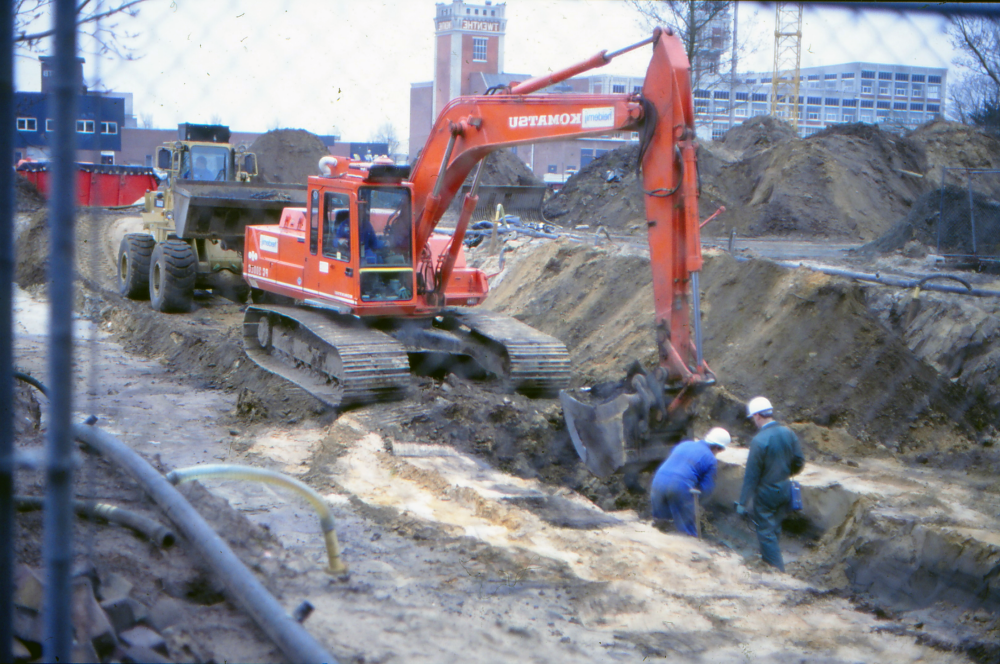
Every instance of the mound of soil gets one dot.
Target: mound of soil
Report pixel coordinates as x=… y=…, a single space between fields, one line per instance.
x=767 y=331
x=950 y=233
x=288 y=156
x=503 y=167
x=605 y=192
x=954 y=145
x=758 y=133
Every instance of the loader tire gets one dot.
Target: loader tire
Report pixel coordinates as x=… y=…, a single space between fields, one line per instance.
x=172 y=273
x=134 y=256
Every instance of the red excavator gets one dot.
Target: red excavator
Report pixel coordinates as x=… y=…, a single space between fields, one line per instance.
x=384 y=293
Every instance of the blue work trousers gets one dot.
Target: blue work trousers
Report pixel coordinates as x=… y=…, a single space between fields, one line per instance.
x=674 y=501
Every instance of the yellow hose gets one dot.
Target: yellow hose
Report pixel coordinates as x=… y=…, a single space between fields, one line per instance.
x=233 y=472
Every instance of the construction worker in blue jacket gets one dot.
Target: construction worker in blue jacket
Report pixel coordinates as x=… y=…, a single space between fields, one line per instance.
x=775 y=455
x=691 y=465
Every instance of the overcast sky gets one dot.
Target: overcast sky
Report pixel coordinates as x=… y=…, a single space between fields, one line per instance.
x=346 y=66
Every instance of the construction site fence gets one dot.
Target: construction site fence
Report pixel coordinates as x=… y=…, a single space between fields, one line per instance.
x=969 y=214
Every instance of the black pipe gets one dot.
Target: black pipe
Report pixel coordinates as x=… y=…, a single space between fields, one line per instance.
x=154 y=531
x=31 y=380
x=57 y=546
x=242 y=587
x=6 y=331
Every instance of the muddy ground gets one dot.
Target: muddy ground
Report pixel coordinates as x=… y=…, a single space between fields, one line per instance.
x=471 y=528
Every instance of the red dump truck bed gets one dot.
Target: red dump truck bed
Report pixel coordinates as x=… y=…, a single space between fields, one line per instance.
x=98 y=185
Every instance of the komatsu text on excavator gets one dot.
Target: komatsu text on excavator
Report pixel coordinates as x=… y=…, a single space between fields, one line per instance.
x=383 y=292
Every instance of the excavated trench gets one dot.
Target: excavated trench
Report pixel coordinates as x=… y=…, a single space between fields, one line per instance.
x=894 y=518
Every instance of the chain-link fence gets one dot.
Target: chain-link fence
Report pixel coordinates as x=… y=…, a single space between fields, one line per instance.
x=968 y=225
x=865 y=101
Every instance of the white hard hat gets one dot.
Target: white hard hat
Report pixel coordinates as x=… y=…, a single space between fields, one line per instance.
x=759 y=405
x=718 y=437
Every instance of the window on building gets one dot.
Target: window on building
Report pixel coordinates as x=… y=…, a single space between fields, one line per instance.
x=719 y=130
x=766 y=79
x=85 y=126
x=813 y=116
x=829 y=77
x=702 y=94
x=757 y=112
x=758 y=96
x=721 y=108
x=700 y=107
x=902 y=77
x=882 y=104
x=742 y=96
x=867 y=74
x=899 y=106
x=479 y=49
x=916 y=107
x=721 y=94
x=740 y=112
x=849 y=103
x=27 y=124
x=866 y=89
x=847 y=75
x=866 y=116
x=848 y=117
x=751 y=81
x=934 y=91
x=109 y=128
x=933 y=79
x=832 y=115
x=108 y=158
x=586 y=156
x=885 y=76
x=933 y=108
x=848 y=86
x=918 y=90
x=883 y=88
x=618 y=89
x=831 y=101
x=867 y=103
x=917 y=78
x=815 y=100
x=900 y=90
x=636 y=89
x=49 y=125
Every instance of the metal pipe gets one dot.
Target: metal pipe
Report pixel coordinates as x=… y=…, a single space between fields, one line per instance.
x=892 y=281
x=155 y=531
x=696 y=316
x=972 y=214
x=6 y=333
x=242 y=586
x=234 y=472
x=57 y=546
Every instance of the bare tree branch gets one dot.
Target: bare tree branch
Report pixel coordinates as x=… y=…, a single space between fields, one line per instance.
x=29 y=12
x=975 y=98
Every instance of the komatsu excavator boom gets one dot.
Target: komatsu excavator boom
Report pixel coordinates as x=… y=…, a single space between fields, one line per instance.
x=385 y=293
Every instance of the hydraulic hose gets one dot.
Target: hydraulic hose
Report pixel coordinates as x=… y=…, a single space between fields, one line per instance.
x=242 y=586
x=233 y=472
x=155 y=531
x=899 y=282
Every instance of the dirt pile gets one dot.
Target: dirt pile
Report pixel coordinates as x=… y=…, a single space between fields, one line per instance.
x=846 y=182
x=767 y=331
x=503 y=167
x=954 y=145
x=756 y=134
x=288 y=156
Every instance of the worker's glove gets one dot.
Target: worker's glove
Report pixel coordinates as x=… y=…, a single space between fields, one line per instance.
x=740 y=510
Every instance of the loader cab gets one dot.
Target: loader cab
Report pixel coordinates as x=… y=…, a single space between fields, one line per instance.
x=207 y=163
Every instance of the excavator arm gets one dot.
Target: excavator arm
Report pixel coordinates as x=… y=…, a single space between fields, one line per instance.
x=469 y=128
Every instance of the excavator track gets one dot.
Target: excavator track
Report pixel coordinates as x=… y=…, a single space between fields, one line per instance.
x=529 y=361
x=336 y=358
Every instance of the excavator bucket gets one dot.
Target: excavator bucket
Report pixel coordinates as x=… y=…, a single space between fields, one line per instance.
x=597 y=432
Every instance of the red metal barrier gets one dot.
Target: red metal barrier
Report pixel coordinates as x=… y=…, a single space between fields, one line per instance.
x=98 y=185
